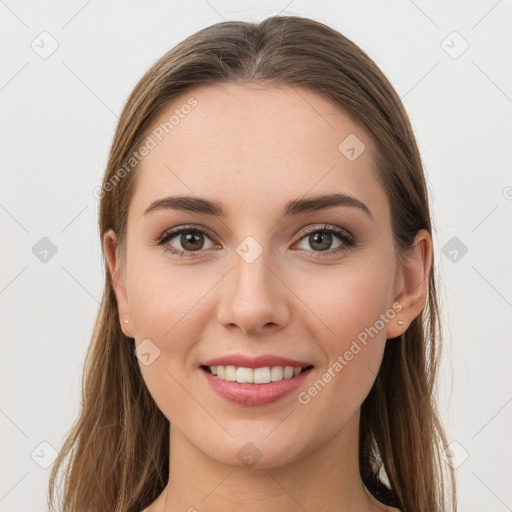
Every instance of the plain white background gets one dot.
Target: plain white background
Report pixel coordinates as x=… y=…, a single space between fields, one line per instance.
x=58 y=117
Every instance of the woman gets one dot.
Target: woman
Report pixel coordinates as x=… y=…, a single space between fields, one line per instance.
x=268 y=336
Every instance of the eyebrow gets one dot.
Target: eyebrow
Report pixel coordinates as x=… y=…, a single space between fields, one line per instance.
x=294 y=207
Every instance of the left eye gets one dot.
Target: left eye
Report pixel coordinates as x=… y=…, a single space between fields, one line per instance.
x=322 y=237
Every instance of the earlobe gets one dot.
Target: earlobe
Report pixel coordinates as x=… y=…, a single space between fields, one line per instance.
x=412 y=279
x=117 y=277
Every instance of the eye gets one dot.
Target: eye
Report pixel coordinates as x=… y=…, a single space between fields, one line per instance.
x=190 y=239
x=321 y=239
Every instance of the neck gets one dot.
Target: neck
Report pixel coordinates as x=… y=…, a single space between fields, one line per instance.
x=325 y=479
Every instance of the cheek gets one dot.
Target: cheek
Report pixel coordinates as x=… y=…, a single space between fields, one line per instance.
x=348 y=303
x=166 y=303
x=167 y=307
x=351 y=312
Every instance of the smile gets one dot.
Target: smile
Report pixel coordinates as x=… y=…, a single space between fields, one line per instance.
x=263 y=375
x=249 y=391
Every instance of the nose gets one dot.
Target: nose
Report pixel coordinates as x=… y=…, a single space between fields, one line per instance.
x=254 y=297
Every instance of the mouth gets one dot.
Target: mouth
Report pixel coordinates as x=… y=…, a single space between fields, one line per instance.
x=263 y=375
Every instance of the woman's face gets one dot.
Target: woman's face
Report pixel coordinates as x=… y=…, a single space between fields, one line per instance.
x=255 y=282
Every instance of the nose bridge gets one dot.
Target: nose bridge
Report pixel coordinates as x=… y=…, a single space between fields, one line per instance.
x=253 y=273
x=252 y=264
x=253 y=295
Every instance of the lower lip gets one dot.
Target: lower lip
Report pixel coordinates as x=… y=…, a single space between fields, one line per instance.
x=254 y=394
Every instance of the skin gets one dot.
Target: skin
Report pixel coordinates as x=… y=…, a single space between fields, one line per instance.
x=254 y=148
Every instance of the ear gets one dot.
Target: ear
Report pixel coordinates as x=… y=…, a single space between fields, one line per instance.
x=118 y=280
x=411 y=284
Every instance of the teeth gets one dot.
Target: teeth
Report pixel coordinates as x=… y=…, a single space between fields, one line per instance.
x=256 y=375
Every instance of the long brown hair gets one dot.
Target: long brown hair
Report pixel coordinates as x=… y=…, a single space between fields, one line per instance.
x=118 y=448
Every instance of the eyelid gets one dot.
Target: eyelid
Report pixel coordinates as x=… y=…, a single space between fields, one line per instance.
x=186 y=227
x=341 y=232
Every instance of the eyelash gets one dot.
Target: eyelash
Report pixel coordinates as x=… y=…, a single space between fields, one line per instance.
x=343 y=235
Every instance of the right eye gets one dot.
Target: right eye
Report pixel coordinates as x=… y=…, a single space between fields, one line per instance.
x=190 y=239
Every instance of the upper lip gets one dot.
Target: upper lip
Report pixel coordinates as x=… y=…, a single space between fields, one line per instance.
x=240 y=360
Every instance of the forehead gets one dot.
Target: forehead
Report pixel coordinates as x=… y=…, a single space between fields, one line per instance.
x=252 y=146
